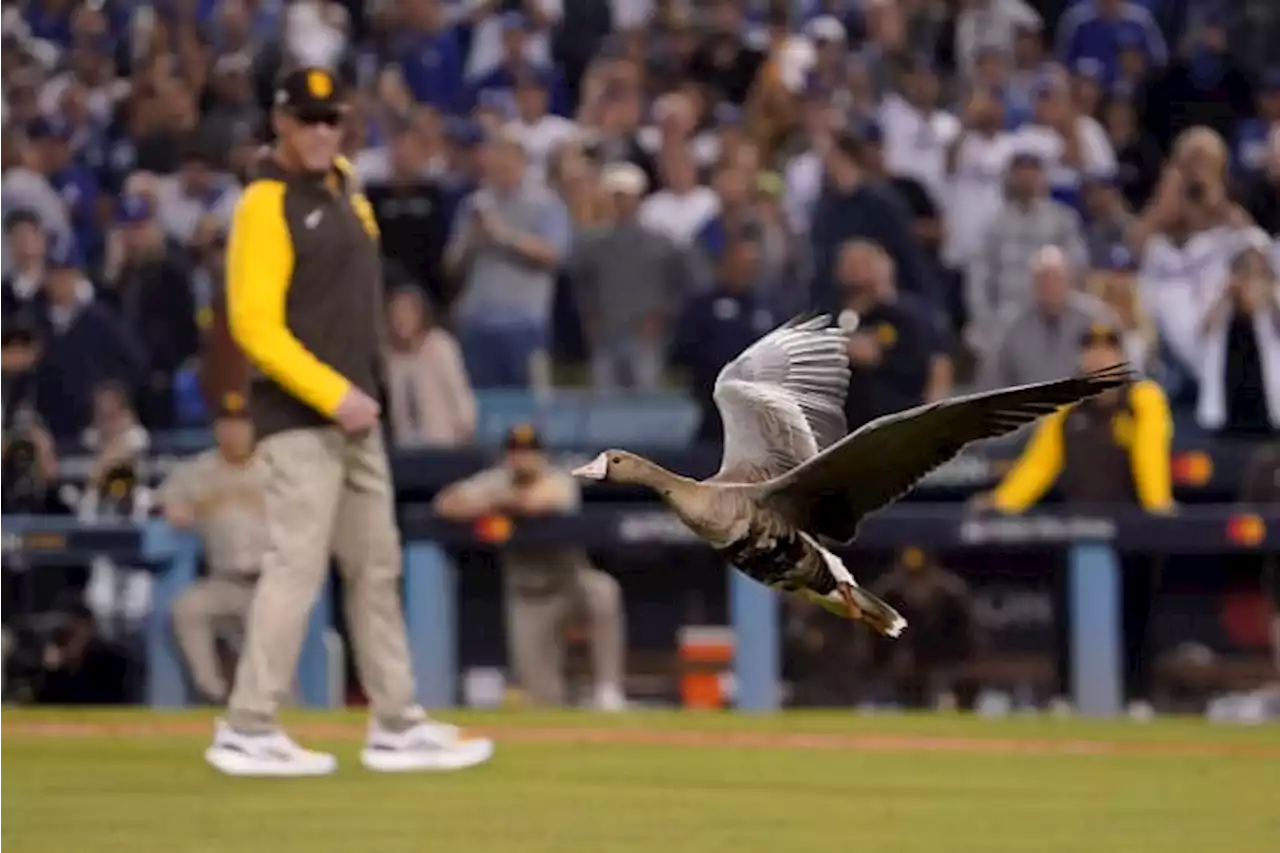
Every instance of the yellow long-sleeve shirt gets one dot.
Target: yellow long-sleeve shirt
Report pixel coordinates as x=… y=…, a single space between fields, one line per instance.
x=1147 y=437
x=304 y=294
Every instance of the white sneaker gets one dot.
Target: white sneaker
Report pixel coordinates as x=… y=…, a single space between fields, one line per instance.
x=429 y=745
x=609 y=699
x=273 y=754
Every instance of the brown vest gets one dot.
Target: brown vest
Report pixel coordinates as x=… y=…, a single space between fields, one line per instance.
x=1096 y=440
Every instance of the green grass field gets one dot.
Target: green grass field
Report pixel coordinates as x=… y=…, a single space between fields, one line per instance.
x=134 y=782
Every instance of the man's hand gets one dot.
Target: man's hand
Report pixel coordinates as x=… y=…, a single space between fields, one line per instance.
x=357 y=413
x=864 y=351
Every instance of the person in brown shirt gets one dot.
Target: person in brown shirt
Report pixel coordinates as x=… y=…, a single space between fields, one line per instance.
x=304 y=304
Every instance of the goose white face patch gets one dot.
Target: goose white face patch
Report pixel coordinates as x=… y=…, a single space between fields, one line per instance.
x=596 y=469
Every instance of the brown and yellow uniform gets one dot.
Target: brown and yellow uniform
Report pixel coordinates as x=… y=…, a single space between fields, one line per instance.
x=1105 y=452
x=1099 y=453
x=304 y=302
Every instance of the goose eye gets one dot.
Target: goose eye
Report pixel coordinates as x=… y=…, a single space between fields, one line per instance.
x=615 y=460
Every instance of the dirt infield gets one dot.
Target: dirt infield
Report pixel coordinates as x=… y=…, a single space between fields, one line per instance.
x=868 y=742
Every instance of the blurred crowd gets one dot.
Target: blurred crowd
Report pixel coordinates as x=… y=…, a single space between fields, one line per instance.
x=982 y=181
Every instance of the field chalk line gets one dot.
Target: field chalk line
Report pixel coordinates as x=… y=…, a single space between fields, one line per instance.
x=864 y=742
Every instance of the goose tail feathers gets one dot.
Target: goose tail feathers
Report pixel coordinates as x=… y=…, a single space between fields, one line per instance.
x=855 y=602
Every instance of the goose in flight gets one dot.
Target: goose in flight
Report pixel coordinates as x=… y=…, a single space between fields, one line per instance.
x=791 y=480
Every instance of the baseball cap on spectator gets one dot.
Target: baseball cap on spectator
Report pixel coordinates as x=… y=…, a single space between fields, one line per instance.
x=826 y=28
x=1101 y=334
x=1048 y=83
x=49 y=127
x=22 y=216
x=624 y=178
x=311 y=94
x=523 y=436
x=1025 y=158
x=134 y=209
x=232 y=405
x=463 y=132
x=64 y=254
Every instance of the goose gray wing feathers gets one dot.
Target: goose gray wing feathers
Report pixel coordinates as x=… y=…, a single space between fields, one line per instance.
x=782 y=399
x=878 y=463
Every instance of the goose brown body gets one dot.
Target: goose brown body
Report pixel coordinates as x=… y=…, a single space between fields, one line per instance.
x=791 y=476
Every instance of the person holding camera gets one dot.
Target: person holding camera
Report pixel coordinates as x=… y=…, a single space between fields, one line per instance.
x=1238 y=368
x=1184 y=239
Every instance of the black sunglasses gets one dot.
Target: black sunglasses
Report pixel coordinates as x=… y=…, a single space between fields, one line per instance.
x=311 y=118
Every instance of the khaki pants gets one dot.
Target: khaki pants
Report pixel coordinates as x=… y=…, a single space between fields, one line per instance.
x=535 y=633
x=325 y=492
x=202 y=612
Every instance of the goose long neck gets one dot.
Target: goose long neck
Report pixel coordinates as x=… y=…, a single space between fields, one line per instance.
x=659 y=479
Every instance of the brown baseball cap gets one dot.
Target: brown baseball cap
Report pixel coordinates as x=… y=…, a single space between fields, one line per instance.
x=233 y=405
x=523 y=436
x=311 y=94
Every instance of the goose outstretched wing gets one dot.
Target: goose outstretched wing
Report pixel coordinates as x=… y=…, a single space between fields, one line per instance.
x=782 y=399
x=875 y=465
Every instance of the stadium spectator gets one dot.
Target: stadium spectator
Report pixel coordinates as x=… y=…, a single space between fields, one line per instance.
x=508 y=237
x=413 y=213
x=1203 y=88
x=218 y=493
x=1070 y=144
x=1115 y=284
x=152 y=295
x=1239 y=336
x=928 y=668
x=539 y=131
x=1094 y=29
x=25 y=187
x=922 y=199
x=1263 y=195
x=522 y=53
x=721 y=323
x=627 y=277
x=430 y=402
x=683 y=207
x=545 y=587
x=1113 y=450
x=1108 y=220
x=26 y=245
x=1040 y=339
x=726 y=60
x=430 y=53
x=1138 y=158
x=976 y=161
x=891 y=354
x=1184 y=237
x=197 y=191
x=53 y=156
x=990 y=25
x=84 y=344
x=1027 y=222
x=916 y=131
x=852 y=206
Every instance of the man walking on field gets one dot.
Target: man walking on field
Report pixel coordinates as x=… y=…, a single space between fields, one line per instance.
x=304 y=300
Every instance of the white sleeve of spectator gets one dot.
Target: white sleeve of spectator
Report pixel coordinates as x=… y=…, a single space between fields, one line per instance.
x=1098 y=154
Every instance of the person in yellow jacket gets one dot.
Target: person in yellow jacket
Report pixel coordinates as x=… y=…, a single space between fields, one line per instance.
x=304 y=304
x=1113 y=450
